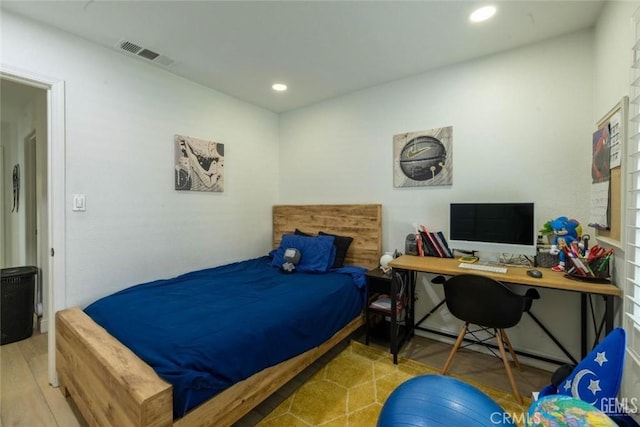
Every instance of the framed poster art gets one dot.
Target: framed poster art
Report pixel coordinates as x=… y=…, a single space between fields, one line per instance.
x=199 y=164
x=423 y=158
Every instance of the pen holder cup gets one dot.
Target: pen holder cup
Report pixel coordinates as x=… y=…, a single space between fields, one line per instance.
x=599 y=267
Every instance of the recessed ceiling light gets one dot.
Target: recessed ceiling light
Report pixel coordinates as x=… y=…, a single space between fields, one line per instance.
x=280 y=87
x=482 y=14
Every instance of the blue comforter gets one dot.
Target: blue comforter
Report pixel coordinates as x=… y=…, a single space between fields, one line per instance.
x=206 y=330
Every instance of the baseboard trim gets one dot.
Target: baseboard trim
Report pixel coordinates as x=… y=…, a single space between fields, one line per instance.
x=42 y=325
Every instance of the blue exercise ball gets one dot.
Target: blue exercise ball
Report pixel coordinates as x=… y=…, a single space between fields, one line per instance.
x=438 y=400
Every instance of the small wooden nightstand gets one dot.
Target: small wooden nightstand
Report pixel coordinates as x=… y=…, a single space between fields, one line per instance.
x=399 y=311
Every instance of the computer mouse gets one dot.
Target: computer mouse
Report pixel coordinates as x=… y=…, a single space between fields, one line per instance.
x=535 y=273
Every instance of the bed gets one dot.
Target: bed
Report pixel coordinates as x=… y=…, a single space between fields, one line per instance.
x=112 y=386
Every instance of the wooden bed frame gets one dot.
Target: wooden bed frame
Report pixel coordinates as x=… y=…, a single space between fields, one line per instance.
x=112 y=386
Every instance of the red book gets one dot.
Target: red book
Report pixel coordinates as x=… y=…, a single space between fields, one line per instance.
x=426 y=245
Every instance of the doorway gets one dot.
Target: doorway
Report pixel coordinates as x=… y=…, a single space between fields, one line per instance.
x=23 y=118
x=36 y=143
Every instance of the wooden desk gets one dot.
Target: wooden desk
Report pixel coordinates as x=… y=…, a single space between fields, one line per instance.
x=518 y=275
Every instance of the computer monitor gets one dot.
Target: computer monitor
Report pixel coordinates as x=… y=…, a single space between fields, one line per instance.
x=493 y=227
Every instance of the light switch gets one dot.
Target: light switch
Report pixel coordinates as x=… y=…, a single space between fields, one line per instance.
x=78 y=203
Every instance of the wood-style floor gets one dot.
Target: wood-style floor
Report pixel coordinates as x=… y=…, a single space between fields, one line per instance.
x=26 y=398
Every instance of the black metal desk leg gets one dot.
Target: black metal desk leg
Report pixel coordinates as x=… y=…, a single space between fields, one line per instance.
x=583 y=325
x=366 y=316
x=411 y=311
x=608 y=313
x=393 y=333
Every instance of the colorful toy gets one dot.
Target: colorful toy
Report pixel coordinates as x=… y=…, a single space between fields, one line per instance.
x=559 y=410
x=566 y=231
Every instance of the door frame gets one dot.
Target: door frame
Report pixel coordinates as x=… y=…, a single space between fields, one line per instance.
x=2 y=226
x=54 y=242
x=32 y=250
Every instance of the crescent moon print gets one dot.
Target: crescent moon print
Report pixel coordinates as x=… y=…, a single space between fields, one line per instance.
x=576 y=384
x=423 y=158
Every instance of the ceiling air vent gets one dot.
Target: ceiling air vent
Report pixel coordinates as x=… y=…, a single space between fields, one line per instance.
x=149 y=54
x=142 y=52
x=130 y=47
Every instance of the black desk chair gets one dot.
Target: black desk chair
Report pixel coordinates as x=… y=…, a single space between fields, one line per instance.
x=493 y=307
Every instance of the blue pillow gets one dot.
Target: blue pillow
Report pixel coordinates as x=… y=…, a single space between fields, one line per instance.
x=316 y=253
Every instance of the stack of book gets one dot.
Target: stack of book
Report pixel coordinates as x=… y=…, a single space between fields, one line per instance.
x=432 y=244
x=383 y=302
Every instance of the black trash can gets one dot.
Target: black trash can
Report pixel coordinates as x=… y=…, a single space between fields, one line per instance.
x=17 y=287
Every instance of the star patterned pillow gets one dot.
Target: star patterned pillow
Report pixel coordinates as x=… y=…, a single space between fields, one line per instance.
x=596 y=379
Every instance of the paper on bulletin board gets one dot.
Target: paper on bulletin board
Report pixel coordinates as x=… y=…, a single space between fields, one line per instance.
x=599 y=217
x=615 y=136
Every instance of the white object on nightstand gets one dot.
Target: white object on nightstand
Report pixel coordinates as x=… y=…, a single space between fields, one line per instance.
x=385 y=260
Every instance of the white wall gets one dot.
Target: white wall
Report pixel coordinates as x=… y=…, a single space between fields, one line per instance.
x=522 y=125
x=121 y=116
x=613 y=38
x=612 y=62
x=12 y=221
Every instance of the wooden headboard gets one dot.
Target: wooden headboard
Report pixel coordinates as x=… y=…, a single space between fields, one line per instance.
x=362 y=222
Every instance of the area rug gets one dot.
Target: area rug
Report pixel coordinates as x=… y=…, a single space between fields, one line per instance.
x=351 y=389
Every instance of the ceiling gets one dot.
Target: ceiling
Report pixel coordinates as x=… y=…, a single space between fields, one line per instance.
x=320 y=49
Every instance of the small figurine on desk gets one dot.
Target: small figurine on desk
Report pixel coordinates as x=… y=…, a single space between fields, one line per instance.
x=566 y=231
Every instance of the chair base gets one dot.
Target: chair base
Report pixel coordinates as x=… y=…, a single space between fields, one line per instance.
x=502 y=339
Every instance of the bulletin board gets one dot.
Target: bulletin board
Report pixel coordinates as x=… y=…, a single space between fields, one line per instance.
x=613 y=128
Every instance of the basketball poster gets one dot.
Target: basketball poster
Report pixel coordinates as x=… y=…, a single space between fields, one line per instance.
x=423 y=158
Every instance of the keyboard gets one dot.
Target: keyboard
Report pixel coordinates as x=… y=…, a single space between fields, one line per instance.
x=482 y=267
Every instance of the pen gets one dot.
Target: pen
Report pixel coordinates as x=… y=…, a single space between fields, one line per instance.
x=584 y=267
x=575 y=248
x=604 y=261
x=591 y=273
x=575 y=261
